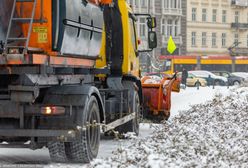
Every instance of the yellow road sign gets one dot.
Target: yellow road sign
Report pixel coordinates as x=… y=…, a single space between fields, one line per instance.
x=171 y=47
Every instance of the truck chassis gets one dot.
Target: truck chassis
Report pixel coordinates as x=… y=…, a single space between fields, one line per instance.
x=64 y=108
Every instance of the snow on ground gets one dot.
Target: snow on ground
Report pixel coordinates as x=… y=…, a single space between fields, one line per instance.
x=157 y=145
x=213 y=134
x=190 y=96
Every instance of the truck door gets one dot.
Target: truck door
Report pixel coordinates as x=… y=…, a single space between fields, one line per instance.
x=133 y=54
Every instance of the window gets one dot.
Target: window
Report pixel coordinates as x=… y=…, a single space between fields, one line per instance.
x=179 y=4
x=214 y=18
x=236 y=17
x=224 y=16
x=131 y=2
x=171 y=4
x=143 y=3
x=236 y=38
x=135 y=2
x=142 y=27
x=247 y=40
x=169 y=27
x=163 y=27
x=213 y=39
x=176 y=26
x=193 y=14
x=204 y=15
x=166 y=4
x=193 y=38
x=223 y=40
x=174 y=3
x=204 y=39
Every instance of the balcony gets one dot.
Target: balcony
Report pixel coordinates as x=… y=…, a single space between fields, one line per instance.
x=173 y=11
x=177 y=39
x=240 y=26
x=240 y=3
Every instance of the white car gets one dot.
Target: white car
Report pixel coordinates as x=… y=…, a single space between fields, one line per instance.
x=210 y=77
x=243 y=75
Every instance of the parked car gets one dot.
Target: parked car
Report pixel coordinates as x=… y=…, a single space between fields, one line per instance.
x=241 y=74
x=232 y=79
x=210 y=77
x=192 y=80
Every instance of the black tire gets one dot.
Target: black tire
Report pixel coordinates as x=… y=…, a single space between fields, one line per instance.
x=217 y=83
x=134 y=102
x=85 y=149
x=197 y=84
x=57 y=152
x=236 y=83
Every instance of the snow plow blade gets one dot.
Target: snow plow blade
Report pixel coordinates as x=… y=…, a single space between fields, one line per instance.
x=157 y=97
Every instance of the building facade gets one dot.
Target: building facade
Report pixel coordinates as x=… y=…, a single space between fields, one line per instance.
x=217 y=27
x=171 y=20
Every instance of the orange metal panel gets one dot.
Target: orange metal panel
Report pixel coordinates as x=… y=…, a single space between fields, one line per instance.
x=158 y=101
x=41 y=36
x=63 y=61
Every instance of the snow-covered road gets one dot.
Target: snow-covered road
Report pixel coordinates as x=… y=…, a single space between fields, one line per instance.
x=40 y=158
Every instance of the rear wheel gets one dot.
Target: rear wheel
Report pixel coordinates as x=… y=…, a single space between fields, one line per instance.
x=134 y=103
x=236 y=83
x=197 y=84
x=217 y=83
x=57 y=151
x=85 y=149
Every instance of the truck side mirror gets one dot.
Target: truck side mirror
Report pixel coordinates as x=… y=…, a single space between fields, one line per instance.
x=152 y=39
x=151 y=22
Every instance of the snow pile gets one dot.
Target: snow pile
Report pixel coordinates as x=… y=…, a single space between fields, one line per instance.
x=214 y=134
x=152 y=79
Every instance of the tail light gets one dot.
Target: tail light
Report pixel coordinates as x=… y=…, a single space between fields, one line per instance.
x=14 y=51
x=52 y=110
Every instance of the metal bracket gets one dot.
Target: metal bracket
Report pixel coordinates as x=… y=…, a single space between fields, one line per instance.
x=24 y=93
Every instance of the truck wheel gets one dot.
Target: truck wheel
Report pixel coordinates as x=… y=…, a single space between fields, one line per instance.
x=57 y=151
x=134 y=101
x=85 y=148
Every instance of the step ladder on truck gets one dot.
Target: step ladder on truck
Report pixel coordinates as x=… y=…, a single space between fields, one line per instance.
x=63 y=76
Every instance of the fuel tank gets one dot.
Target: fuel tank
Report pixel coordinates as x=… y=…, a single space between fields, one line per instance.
x=65 y=27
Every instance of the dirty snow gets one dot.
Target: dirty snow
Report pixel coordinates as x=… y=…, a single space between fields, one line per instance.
x=212 y=134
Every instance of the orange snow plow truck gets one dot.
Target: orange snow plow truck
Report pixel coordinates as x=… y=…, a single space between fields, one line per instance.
x=69 y=68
